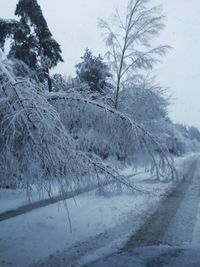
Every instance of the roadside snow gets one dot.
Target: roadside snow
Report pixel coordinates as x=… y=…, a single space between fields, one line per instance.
x=11 y=199
x=157 y=256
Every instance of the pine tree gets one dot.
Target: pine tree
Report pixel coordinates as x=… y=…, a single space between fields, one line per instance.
x=49 y=50
x=7 y=28
x=93 y=71
x=24 y=47
x=32 y=40
x=24 y=44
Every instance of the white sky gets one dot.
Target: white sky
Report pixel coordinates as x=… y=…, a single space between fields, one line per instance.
x=74 y=25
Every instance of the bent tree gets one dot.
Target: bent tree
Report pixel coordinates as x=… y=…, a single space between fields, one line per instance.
x=129 y=40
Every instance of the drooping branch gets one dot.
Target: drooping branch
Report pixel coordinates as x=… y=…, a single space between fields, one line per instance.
x=162 y=162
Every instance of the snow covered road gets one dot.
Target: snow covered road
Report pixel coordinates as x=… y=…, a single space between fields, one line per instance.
x=175 y=219
x=171 y=236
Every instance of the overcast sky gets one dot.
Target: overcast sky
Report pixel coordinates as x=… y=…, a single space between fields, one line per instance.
x=74 y=25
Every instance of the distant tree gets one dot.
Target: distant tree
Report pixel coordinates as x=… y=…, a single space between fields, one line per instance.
x=32 y=39
x=93 y=71
x=60 y=82
x=129 y=40
x=194 y=133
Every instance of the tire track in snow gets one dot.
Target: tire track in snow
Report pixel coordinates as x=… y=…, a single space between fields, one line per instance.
x=173 y=223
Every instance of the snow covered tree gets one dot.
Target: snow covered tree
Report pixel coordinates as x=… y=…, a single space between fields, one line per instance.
x=32 y=39
x=60 y=82
x=144 y=101
x=29 y=130
x=7 y=28
x=94 y=72
x=24 y=47
x=194 y=133
x=129 y=41
x=48 y=50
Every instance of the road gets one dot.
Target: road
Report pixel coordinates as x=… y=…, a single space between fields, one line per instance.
x=171 y=236
x=174 y=221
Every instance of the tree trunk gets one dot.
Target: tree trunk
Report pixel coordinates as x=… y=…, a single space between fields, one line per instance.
x=50 y=84
x=49 y=81
x=117 y=95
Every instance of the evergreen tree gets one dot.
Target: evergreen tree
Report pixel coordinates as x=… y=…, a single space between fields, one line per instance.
x=7 y=28
x=25 y=45
x=93 y=71
x=32 y=39
x=49 y=50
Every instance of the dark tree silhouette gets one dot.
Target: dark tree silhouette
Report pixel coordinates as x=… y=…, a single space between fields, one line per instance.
x=32 y=40
x=93 y=71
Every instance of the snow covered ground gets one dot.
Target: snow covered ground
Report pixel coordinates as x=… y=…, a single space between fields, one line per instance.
x=100 y=225
x=154 y=256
